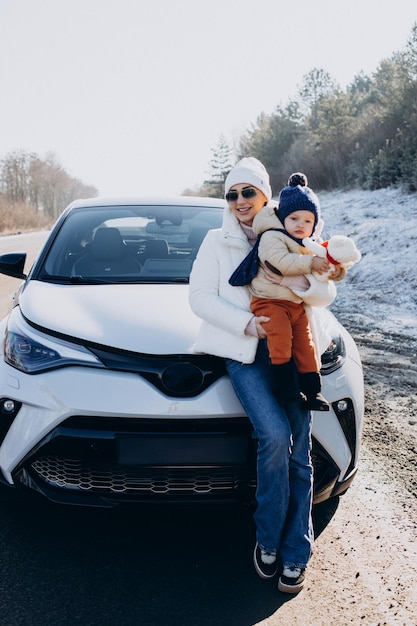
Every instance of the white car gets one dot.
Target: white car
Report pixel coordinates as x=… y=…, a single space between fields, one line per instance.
x=102 y=401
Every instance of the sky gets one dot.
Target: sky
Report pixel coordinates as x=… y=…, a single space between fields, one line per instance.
x=132 y=96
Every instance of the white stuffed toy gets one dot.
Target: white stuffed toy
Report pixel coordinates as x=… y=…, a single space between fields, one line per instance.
x=339 y=250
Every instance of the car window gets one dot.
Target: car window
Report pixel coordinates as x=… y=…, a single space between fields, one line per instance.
x=128 y=244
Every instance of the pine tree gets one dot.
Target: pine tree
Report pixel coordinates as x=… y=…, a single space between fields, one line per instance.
x=220 y=166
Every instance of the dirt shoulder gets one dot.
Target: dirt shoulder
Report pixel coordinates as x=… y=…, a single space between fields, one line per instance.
x=364 y=565
x=390 y=374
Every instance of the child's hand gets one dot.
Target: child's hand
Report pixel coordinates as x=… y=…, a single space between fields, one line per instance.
x=320 y=265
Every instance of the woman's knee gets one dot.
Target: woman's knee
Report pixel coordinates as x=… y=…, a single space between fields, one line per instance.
x=275 y=443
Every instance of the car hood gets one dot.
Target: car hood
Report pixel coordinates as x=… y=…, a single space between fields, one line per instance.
x=153 y=319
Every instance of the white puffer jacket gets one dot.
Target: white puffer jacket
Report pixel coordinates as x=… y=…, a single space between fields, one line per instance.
x=224 y=309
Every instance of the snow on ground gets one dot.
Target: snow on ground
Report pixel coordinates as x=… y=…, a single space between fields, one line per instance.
x=380 y=291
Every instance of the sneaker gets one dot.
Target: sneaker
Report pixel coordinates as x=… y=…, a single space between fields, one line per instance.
x=291 y=580
x=265 y=562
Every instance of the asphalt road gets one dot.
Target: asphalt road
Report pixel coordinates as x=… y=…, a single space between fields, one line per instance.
x=171 y=566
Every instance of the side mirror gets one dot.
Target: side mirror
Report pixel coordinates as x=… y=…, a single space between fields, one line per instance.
x=13 y=264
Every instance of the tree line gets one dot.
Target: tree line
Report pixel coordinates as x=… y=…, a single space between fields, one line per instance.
x=363 y=136
x=36 y=186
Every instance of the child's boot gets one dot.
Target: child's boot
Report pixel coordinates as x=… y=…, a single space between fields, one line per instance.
x=286 y=385
x=310 y=384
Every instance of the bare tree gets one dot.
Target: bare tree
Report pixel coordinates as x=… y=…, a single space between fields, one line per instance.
x=43 y=184
x=14 y=175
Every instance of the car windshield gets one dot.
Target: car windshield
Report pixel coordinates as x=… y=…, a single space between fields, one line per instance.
x=127 y=244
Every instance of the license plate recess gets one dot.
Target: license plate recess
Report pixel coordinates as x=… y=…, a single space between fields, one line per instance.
x=183 y=450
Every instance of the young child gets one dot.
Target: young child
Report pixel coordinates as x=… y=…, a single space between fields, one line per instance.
x=281 y=251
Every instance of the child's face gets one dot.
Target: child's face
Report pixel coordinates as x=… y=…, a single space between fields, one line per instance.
x=300 y=224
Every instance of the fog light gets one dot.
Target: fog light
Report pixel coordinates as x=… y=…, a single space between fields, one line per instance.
x=342 y=406
x=8 y=406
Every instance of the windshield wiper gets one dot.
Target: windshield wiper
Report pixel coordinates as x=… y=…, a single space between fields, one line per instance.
x=163 y=279
x=74 y=280
x=119 y=280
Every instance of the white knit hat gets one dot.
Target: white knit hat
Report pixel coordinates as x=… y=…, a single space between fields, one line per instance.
x=251 y=171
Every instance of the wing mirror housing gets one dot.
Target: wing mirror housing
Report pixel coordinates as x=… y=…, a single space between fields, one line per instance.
x=13 y=264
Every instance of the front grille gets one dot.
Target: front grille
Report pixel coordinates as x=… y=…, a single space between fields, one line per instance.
x=77 y=474
x=176 y=375
x=120 y=460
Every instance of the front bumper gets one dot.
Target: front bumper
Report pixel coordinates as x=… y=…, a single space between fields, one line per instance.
x=102 y=462
x=103 y=438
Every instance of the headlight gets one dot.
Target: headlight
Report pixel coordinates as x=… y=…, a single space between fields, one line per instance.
x=334 y=356
x=32 y=352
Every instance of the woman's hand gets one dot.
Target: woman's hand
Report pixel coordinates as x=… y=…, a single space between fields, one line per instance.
x=255 y=328
x=259 y=328
x=337 y=271
x=271 y=276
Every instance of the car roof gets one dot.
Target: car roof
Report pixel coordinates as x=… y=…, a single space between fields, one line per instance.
x=149 y=201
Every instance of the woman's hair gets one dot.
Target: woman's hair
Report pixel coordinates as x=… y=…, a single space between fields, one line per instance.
x=298 y=178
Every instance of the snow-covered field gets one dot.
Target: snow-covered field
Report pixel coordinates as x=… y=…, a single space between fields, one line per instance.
x=380 y=292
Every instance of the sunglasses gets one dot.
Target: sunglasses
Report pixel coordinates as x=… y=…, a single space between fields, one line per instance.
x=250 y=192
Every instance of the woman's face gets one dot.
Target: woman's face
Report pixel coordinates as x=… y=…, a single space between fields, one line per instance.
x=245 y=209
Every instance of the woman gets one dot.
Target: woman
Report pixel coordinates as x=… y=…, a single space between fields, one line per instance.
x=229 y=329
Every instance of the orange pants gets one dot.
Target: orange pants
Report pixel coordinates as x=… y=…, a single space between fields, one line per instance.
x=288 y=333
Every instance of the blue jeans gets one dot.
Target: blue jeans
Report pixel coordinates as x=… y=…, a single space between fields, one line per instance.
x=285 y=474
